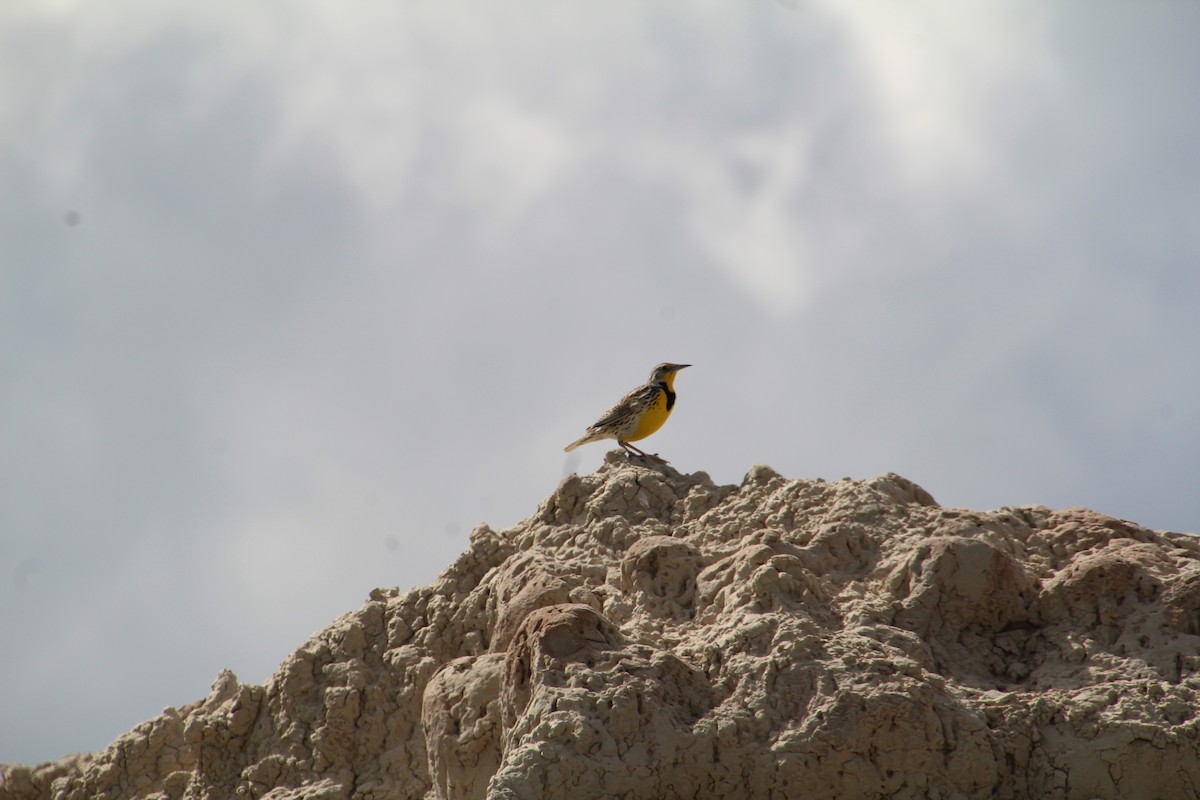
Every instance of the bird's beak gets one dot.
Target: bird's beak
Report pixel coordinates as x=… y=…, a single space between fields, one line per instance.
x=681 y=366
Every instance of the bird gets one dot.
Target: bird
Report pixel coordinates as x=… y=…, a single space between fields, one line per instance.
x=638 y=414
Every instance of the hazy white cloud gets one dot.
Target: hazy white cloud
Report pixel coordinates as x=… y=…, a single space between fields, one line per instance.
x=511 y=158
x=742 y=206
x=950 y=84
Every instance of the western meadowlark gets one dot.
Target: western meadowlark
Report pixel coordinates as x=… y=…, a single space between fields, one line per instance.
x=637 y=414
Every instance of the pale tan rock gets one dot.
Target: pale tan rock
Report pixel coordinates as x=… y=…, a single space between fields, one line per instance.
x=462 y=723
x=648 y=634
x=658 y=575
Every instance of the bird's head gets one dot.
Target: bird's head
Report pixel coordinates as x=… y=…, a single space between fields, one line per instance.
x=665 y=373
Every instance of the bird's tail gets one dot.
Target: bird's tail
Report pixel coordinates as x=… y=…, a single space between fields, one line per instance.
x=587 y=437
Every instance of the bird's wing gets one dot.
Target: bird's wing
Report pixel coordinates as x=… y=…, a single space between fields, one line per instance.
x=627 y=406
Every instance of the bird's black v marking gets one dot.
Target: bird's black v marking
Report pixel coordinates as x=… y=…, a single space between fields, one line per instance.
x=670 y=395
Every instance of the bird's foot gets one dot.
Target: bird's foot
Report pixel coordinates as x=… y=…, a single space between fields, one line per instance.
x=641 y=456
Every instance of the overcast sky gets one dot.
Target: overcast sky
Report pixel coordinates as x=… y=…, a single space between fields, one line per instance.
x=294 y=294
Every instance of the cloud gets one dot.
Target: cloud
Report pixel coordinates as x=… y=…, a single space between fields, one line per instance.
x=950 y=84
x=743 y=207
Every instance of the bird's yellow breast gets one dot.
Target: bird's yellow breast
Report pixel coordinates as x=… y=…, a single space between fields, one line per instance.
x=652 y=419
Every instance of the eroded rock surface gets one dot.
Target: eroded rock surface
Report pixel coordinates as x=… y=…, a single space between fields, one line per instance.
x=647 y=634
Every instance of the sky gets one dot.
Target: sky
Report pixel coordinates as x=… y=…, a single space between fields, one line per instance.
x=295 y=294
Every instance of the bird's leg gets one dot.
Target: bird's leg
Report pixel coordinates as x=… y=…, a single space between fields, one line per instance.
x=633 y=450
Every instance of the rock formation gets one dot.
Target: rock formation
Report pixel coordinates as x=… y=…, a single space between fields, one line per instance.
x=647 y=634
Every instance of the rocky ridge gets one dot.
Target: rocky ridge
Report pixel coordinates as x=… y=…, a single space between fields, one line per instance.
x=648 y=634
